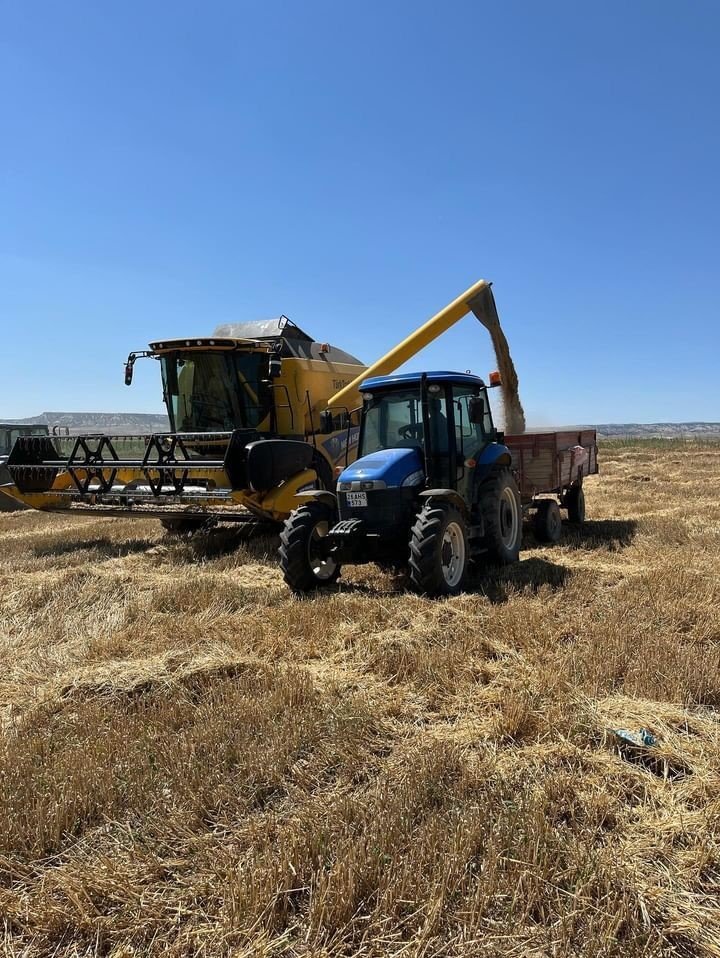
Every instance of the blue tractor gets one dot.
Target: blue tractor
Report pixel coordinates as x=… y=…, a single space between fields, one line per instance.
x=431 y=490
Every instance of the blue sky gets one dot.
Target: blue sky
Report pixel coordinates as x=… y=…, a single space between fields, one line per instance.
x=170 y=166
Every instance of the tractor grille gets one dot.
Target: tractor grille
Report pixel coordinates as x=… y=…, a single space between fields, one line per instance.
x=389 y=511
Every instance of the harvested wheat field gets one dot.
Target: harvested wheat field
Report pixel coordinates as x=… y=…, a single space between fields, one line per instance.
x=193 y=762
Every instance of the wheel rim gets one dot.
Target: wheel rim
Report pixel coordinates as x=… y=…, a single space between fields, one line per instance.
x=508 y=518
x=452 y=554
x=323 y=566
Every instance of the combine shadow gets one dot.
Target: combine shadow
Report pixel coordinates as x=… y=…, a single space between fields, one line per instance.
x=106 y=547
x=500 y=583
x=257 y=542
x=611 y=534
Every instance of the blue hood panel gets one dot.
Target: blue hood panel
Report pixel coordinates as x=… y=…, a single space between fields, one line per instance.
x=390 y=466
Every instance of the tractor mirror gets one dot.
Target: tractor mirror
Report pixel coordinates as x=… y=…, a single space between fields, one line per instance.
x=275 y=367
x=476 y=410
x=326 y=422
x=128 y=373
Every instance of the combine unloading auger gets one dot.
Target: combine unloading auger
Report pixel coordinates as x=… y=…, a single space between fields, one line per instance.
x=478 y=300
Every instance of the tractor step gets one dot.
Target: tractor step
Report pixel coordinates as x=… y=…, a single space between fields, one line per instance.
x=347 y=529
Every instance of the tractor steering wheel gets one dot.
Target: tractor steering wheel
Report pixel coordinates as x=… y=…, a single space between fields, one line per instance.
x=411 y=430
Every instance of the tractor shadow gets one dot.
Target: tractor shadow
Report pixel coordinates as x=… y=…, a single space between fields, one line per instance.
x=501 y=583
x=608 y=534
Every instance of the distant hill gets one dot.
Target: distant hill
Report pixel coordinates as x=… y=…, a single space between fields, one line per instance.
x=117 y=423
x=139 y=423
x=659 y=430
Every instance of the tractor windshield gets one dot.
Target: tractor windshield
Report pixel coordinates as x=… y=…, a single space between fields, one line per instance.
x=394 y=419
x=216 y=391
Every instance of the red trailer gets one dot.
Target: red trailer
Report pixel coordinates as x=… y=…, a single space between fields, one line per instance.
x=550 y=468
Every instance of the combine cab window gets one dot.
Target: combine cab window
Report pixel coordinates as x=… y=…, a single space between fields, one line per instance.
x=216 y=391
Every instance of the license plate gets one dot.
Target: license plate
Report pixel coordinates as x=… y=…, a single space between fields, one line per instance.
x=356 y=500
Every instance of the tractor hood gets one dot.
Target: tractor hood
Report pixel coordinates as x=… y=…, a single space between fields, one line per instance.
x=389 y=466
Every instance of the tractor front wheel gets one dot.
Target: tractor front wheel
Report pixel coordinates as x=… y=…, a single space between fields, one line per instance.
x=305 y=558
x=439 y=551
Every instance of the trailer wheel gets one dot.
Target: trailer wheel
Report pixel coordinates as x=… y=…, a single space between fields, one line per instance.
x=547 y=523
x=304 y=557
x=499 y=504
x=575 y=505
x=439 y=552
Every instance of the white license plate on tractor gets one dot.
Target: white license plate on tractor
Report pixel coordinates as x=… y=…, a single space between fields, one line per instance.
x=356 y=500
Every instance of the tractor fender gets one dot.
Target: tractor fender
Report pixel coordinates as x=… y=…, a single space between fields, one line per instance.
x=449 y=495
x=494 y=454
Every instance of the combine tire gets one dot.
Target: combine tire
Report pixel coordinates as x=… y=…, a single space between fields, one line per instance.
x=304 y=560
x=575 y=505
x=501 y=511
x=547 y=523
x=439 y=551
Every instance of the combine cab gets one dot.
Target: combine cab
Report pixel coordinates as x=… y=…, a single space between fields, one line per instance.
x=244 y=410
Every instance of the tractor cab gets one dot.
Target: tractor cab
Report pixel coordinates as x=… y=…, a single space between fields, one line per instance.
x=421 y=429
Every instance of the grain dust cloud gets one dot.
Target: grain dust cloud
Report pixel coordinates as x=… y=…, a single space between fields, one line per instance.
x=483 y=306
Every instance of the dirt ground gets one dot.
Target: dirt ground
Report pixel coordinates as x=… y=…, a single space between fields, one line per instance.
x=192 y=761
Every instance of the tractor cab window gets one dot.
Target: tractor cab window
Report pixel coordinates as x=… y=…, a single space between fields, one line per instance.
x=469 y=436
x=394 y=420
x=216 y=391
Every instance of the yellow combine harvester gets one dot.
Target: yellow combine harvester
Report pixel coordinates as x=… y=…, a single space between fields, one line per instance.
x=258 y=412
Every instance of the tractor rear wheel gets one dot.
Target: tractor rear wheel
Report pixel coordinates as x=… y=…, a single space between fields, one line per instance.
x=304 y=556
x=501 y=511
x=575 y=505
x=439 y=552
x=547 y=522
